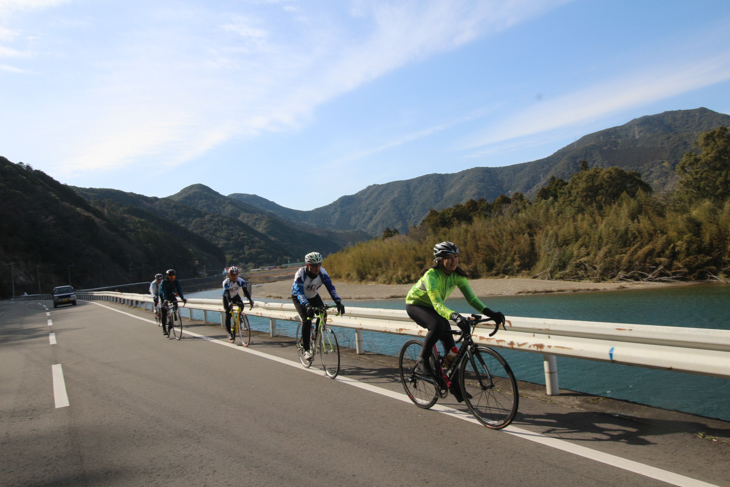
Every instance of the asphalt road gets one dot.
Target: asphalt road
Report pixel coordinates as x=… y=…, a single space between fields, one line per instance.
x=145 y=410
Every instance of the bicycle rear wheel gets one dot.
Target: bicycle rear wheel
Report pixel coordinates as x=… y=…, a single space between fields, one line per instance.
x=421 y=391
x=300 y=348
x=489 y=387
x=177 y=325
x=244 y=331
x=329 y=352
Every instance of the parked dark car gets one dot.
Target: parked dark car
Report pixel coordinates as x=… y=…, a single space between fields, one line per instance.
x=63 y=295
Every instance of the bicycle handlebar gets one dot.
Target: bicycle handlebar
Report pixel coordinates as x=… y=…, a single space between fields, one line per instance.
x=474 y=321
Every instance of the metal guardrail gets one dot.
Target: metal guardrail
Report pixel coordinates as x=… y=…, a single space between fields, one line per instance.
x=693 y=350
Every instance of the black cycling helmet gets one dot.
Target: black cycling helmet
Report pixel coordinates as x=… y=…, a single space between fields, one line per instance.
x=170 y=272
x=445 y=248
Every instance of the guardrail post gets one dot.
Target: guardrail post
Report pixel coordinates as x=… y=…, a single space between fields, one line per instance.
x=205 y=316
x=272 y=327
x=359 y=349
x=551 y=375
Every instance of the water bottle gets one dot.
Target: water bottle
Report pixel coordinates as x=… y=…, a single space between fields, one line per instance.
x=450 y=357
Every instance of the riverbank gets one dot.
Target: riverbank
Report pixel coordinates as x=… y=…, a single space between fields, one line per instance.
x=482 y=288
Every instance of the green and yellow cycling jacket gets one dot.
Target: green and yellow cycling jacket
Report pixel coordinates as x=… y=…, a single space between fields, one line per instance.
x=435 y=286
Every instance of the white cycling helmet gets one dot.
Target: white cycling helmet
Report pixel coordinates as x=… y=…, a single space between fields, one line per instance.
x=313 y=258
x=233 y=270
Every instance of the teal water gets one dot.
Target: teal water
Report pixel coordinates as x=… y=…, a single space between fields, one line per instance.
x=696 y=306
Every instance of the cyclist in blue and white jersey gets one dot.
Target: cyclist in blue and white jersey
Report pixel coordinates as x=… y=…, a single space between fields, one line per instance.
x=234 y=287
x=155 y=292
x=305 y=294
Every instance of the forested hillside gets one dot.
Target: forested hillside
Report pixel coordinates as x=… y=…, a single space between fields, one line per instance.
x=51 y=235
x=651 y=145
x=600 y=224
x=237 y=241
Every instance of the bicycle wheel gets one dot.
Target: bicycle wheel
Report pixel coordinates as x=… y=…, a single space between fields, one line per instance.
x=171 y=323
x=329 y=352
x=300 y=348
x=177 y=325
x=422 y=392
x=489 y=387
x=244 y=331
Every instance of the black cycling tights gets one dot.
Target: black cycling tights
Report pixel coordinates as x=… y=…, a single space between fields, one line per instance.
x=438 y=328
x=317 y=302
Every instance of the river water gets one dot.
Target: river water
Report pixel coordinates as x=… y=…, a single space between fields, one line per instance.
x=696 y=306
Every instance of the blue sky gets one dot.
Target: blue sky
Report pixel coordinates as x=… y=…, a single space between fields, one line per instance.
x=302 y=102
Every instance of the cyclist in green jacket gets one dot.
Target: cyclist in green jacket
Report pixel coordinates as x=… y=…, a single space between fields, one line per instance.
x=425 y=303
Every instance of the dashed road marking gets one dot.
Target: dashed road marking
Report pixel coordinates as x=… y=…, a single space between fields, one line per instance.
x=59 y=387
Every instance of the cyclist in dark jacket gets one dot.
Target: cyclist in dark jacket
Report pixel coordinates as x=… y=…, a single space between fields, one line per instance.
x=169 y=290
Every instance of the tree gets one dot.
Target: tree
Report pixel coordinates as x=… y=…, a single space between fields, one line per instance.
x=602 y=187
x=707 y=175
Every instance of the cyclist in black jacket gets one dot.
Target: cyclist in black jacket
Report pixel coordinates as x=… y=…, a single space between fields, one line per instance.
x=169 y=289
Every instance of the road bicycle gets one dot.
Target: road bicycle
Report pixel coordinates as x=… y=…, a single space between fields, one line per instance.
x=240 y=325
x=482 y=376
x=323 y=341
x=174 y=321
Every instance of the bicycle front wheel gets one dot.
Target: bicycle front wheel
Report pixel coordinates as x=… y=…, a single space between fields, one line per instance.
x=329 y=352
x=171 y=323
x=300 y=348
x=177 y=324
x=421 y=391
x=244 y=331
x=489 y=387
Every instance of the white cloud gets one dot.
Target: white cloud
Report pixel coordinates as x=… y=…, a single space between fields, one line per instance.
x=595 y=102
x=186 y=80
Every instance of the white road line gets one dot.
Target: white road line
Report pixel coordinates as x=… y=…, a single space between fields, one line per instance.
x=59 y=387
x=48 y=314
x=52 y=338
x=581 y=451
x=50 y=322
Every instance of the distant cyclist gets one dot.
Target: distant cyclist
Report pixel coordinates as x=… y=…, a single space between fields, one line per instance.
x=169 y=290
x=155 y=292
x=305 y=294
x=425 y=304
x=234 y=287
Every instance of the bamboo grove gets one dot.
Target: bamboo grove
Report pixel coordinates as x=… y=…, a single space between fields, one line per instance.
x=602 y=224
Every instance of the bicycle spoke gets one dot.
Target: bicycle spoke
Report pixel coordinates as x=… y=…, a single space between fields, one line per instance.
x=329 y=352
x=244 y=331
x=489 y=387
x=422 y=391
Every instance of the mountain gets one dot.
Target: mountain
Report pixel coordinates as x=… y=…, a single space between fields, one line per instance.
x=104 y=236
x=651 y=145
x=246 y=234
x=53 y=236
x=279 y=230
x=237 y=240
